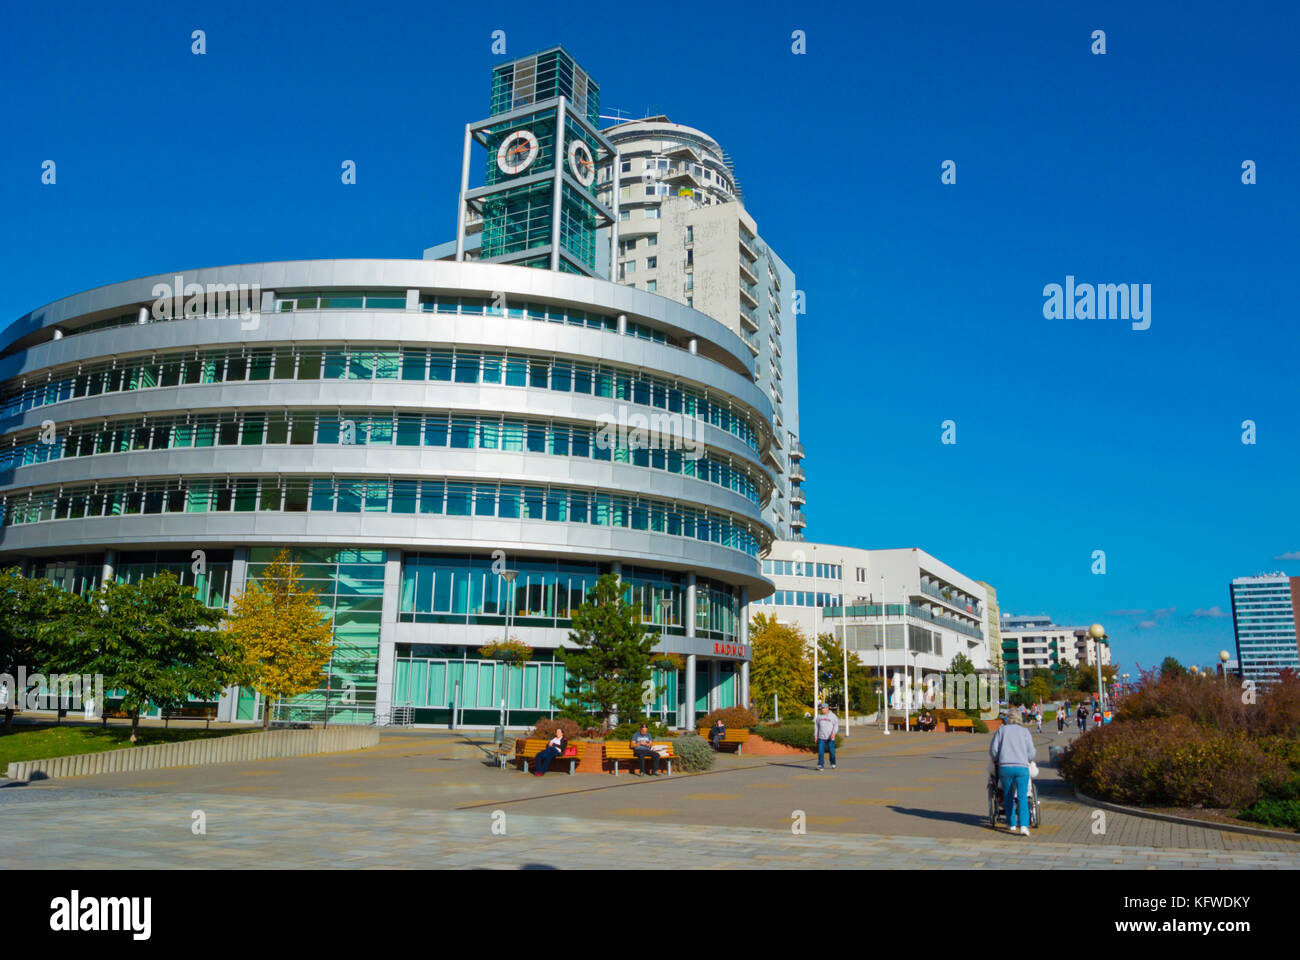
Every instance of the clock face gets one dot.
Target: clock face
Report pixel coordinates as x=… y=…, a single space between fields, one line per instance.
x=581 y=163
x=517 y=152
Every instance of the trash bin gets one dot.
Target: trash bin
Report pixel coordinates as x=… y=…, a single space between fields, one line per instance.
x=499 y=735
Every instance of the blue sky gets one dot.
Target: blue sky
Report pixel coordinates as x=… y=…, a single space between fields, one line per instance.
x=924 y=300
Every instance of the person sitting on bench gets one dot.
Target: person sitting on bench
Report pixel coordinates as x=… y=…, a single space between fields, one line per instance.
x=926 y=721
x=718 y=733
x=643 y=749
x=554 y=748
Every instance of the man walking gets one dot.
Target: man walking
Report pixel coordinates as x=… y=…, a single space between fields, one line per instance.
x=826 y=727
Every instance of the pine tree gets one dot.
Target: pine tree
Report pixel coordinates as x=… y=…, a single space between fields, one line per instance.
x=285 y=639
x=611 y=664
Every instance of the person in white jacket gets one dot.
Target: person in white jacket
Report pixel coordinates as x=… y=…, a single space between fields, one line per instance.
x=826 y=727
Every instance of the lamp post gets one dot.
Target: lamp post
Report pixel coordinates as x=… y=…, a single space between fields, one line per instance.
x=844 y=623
x=1098 y=634
x=1223 y=659
x=907 y=687
x=884 y=663
x=882 y=705
x=509 y=577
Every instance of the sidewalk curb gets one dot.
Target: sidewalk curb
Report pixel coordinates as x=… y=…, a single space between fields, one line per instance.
x=1185 y=821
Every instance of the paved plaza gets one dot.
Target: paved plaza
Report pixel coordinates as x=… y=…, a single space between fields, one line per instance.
x=431 y=799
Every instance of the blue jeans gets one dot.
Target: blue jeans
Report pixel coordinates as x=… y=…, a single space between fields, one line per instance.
x=822 y=747
x=1015 y=783
x=545 y=757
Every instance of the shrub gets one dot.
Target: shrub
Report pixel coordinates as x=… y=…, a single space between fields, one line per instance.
x=624 y=731
x=545 y=729
x=793 y=733
x=693 y=752
x=1170 y=761
x=735 y=718
x=1274 y=813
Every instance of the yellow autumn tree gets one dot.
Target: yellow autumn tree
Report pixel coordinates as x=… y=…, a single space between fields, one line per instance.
x=782 y=665
x=285 y=638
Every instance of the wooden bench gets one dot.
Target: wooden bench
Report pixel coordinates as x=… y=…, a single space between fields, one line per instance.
x=904 y=723
x=615 y=752
x=960 y=723
x=533 y=747
x=732 y=738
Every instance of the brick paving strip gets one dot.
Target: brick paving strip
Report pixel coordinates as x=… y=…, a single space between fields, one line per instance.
x=152 y=830
x=894 y=802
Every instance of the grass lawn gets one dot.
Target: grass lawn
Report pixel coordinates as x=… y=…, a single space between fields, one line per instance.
x=45 y=741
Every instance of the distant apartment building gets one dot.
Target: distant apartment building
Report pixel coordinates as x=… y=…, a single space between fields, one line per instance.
x=1034 y=642
x=928 y=611
x=1265 y=624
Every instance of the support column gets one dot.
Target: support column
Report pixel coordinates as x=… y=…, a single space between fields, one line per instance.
x=388 y=634
x=561 y=116
x=690 y=692
x=715 y=679
x=744 y=640
x=688 y=615
x=461 y=212
x=110 y=563
x=228 y=705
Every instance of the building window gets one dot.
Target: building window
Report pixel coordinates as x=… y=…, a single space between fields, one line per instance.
x=625 y=166
x=651 y=263
x=690 y=234
x=652 y=241
x=625 y=214
x=690 y=301
x=652 y=286
x=652 y=213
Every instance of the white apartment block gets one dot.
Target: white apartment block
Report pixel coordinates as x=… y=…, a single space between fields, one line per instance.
x=929 y=611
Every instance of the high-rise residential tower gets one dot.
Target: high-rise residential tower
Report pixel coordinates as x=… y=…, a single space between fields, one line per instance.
x=1266 y=625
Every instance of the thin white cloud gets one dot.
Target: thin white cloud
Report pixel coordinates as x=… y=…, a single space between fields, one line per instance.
x=1146 y=624
x=1214 y=611
x=1289 y=555
x=1126 y=613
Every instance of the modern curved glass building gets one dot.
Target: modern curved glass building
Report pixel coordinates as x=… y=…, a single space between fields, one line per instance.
x=411 y=430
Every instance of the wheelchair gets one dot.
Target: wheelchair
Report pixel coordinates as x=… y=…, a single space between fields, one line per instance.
x=997 y=808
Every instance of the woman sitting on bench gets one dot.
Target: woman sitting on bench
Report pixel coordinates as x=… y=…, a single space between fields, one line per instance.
x=554 y=748
x=926 y=721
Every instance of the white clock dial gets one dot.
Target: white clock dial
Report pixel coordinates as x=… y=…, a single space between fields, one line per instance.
x=581 y=163
x=517 y=152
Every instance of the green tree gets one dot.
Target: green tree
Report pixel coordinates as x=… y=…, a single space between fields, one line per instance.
x=611 y=664
x=781 y=666
x=830 y=669
x=285 y=640
x=961 y=665
x=32 y=614
x=155 y=640
x=1039 y=687
x=1170 y=667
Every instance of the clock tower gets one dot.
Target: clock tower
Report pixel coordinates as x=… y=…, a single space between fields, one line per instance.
x=538 y=205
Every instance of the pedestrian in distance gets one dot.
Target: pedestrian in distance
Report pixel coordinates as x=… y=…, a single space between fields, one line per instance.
x=1011 y=752
x=826 y=728
x=1038 y=716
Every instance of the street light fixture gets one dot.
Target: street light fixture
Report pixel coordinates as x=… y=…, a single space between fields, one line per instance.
x=1098 y=634
x=1223 y=658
